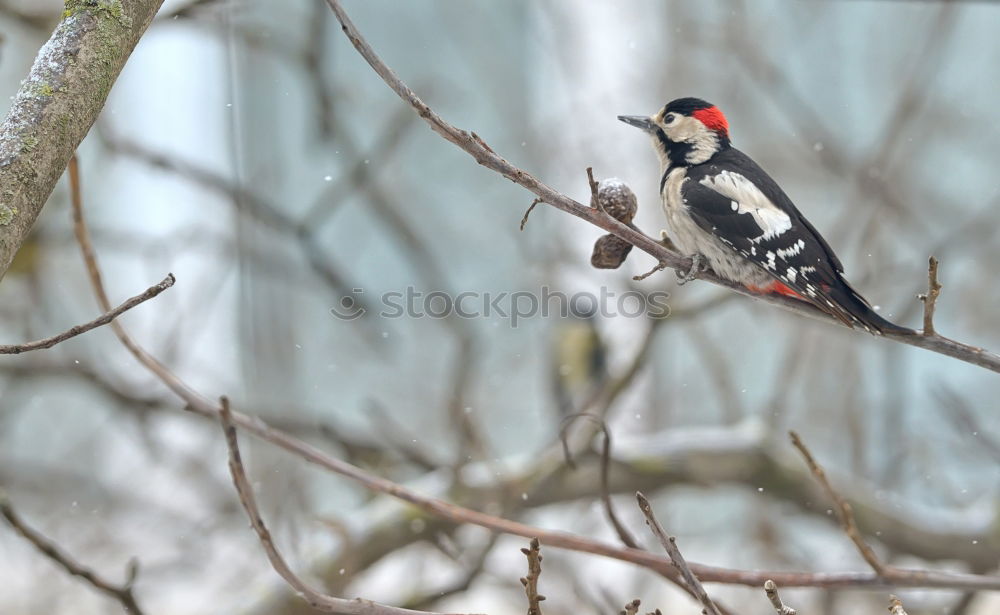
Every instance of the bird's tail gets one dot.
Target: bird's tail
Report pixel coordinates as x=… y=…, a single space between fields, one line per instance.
x=849 y=306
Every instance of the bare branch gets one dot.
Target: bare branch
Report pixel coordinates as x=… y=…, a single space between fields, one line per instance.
x=485 y=156
x=524 y=219
x=57 y=104
x=772 y=594
x=843 y=509
x=101 y=320
x=670 y=544
x=316 y=599
x=594 y=200
x=609 y=510
x=530 y=582
x=930 y=299
x=659 y=267
x=122 y=593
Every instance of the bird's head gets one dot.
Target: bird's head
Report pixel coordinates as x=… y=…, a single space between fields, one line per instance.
x=686 y=131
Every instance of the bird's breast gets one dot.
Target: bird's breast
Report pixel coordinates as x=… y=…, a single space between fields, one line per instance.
x=675 y=209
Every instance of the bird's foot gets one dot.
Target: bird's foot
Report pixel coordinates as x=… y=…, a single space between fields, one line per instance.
x=697 y=266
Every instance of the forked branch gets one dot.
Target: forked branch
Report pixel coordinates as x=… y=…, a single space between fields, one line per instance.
x=316 y=599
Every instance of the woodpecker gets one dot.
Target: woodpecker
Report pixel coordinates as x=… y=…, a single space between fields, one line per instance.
x=725 y=212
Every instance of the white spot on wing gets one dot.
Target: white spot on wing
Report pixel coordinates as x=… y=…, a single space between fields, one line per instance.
x=748 y=199
x=793 y=250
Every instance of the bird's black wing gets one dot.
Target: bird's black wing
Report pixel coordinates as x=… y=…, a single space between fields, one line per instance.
x=735 y=200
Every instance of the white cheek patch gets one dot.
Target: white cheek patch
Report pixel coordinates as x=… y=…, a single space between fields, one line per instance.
x=704 y=142
x=748 y=199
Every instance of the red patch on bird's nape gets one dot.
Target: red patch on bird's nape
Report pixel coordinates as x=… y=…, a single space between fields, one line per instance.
x=713 y=119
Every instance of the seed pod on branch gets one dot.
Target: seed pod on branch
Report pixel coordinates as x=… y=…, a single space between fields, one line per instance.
x=618 y=200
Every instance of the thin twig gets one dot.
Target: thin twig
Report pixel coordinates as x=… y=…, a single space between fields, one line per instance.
x=895 y=606
x=488 y=158
x=473 y=570
x=594 y=199
x=772 y=594
x=623 y=534
x=930 y=299
x=659 y=267
x=670 y=544
x=316 y=599
x=530 y=582
x=101 y=320
x=524 y=219
x=122 y=593
x=843 y=509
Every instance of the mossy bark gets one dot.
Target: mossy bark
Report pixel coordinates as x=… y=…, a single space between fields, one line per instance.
x=58 y=103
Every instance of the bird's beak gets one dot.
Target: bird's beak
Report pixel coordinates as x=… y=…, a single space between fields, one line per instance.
x=638 y=121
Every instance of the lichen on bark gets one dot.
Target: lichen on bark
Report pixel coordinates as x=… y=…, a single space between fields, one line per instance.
x=57 y=104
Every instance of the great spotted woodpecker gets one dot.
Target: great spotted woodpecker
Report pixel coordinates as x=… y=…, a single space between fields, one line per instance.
x=724 y=211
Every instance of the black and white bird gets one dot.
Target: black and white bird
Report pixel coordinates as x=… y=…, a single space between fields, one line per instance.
x=725 y=212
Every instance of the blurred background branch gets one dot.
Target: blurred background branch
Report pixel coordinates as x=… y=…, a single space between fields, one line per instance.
x=249 y=150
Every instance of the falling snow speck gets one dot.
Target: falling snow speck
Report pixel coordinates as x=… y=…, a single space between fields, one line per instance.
x=328 y=178
x=524 y=496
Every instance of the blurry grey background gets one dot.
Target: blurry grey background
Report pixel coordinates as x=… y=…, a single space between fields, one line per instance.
x=249 y=150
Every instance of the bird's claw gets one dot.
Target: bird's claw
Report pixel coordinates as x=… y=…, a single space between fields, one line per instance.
x=697 y=266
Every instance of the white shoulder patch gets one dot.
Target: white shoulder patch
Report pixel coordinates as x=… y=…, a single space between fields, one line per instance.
x=748 y=199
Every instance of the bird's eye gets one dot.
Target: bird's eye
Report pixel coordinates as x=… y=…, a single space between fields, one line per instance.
x=669 y=118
